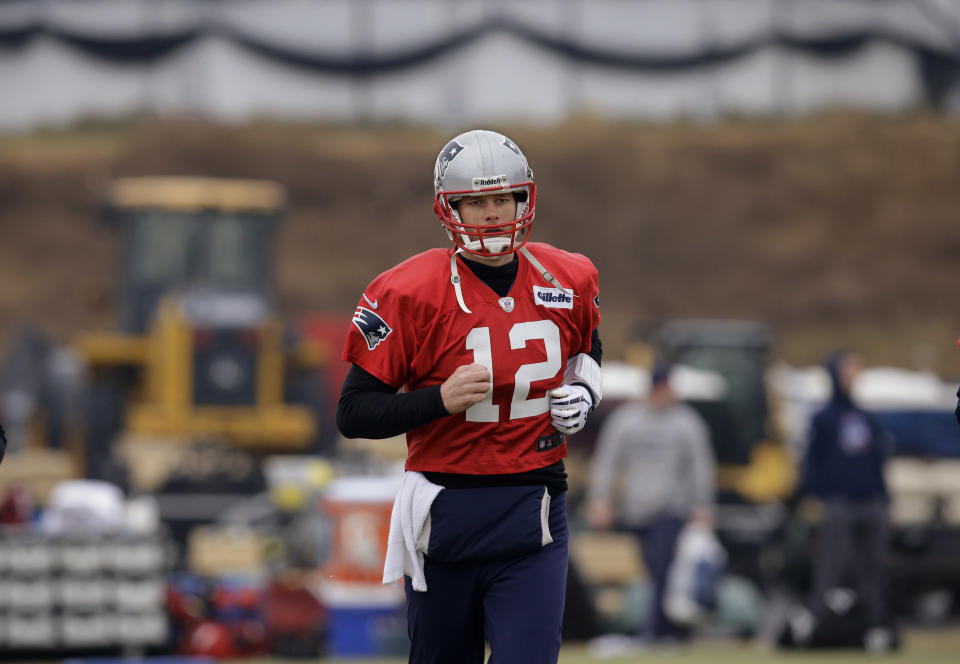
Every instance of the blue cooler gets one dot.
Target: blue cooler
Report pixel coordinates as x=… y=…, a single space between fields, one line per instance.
x=365 y=619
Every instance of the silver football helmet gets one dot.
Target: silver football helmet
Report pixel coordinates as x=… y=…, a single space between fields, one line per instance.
x=483 y=162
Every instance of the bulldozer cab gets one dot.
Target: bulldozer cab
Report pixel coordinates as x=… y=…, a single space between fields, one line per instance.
x=739 y=352
x=201 y=354
x=180 y=234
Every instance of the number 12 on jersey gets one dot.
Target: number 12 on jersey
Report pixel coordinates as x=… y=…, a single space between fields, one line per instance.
x=478 y=340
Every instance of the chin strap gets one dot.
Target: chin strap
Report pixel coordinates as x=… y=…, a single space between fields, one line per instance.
x=581 y=368
x=455 y=280
x=543 y=271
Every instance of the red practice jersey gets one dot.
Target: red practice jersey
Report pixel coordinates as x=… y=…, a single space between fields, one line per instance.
x=409 y=330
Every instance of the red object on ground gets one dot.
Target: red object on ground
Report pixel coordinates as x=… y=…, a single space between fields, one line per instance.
x=291 y=608
x=17 y=506
x=210 y=639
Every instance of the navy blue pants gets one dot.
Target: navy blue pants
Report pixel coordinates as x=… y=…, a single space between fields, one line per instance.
x=516 y=604
x=658 y=544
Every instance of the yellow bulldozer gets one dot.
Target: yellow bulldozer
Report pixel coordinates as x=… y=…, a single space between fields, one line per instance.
x=201 y=353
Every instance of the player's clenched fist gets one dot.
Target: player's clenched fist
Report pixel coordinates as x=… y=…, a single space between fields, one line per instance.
x=467 y=385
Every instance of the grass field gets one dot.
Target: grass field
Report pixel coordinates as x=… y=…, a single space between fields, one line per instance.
x=920 y=647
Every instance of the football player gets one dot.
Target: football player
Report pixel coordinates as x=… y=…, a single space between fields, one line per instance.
x=495 y=344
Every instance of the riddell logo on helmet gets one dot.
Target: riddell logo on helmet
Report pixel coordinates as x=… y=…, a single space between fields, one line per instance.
x=553 y=298
x=498 y=181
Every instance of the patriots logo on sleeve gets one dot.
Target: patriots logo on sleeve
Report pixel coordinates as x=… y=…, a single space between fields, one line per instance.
x=373 y=328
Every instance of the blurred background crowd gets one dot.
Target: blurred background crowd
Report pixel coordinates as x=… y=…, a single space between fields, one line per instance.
x=193 y=194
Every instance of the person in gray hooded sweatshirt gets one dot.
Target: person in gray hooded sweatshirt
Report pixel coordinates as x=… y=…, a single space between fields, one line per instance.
x=660 y=448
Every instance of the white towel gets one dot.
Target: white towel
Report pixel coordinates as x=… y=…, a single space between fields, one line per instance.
x=409 y=522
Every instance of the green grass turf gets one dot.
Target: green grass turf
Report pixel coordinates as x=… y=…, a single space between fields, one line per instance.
x=920 y=647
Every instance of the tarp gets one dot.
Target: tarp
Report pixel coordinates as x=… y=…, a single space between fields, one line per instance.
x=150 y=46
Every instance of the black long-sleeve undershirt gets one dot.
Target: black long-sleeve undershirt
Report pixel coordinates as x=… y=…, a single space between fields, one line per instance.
x=370 y=408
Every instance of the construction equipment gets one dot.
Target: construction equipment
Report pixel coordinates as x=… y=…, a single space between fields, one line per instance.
x=201 y=354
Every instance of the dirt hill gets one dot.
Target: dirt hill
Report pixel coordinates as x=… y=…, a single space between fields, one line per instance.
x=837 y=230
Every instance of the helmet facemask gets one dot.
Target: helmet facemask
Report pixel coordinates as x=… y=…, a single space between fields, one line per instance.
x=488 y=239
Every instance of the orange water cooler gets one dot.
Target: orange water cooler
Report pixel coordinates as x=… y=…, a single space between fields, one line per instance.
x=359 y=509
x=366 y=617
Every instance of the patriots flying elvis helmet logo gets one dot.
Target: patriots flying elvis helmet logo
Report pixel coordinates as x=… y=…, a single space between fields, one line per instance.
x=451 y=150
x=510 y=145
x=373 y=328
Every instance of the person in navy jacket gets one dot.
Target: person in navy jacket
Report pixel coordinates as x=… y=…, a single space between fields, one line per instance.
x=958 y=405
x=844 y=469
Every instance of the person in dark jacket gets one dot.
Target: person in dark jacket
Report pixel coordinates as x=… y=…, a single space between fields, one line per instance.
x=844 y=469
x=957 y=411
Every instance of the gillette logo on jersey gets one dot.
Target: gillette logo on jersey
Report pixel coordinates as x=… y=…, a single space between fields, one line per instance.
x=554 y=298
x=373 y=328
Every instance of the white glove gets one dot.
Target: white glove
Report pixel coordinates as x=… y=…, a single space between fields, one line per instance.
x=569 y=405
